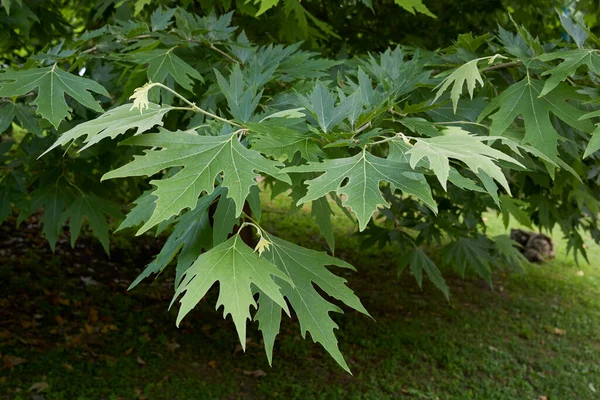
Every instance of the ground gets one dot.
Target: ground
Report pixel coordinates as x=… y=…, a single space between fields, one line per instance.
x=71 y=330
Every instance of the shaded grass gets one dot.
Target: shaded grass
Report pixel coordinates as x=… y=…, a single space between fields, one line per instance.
x=537 y=333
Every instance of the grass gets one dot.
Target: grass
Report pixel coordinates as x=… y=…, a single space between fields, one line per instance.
x=535 y=335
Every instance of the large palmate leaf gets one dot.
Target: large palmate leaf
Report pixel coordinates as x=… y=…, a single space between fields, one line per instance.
x=363 y=173
x=458 y=144
x=51 y=83
x=303 y=268
x=164 y=62
x=202 y=159
x=238 y=269
x=523 y=98
x=573 y=59
x=113 y=123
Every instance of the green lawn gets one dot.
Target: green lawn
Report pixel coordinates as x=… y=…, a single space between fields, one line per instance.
x=535 y=334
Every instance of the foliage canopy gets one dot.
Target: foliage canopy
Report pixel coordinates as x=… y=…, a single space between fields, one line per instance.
x=203 y=114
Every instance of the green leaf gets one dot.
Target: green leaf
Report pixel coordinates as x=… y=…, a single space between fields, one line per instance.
x=508 y=252
x=54 y=198
x=305 y=268
x=458 y=144
x=413 y=6
x=594 y=144
x=24 y=114
x=191 y=234
x=468 y=73
x=264 y=5
x=144 y=206
x=113 y=123
x=52 y=84
x=523 y=98
x=202 y=159
x=363 y=173
x=163 y=63
x=161 y=20
x=225 y=219
x=237 y=268
x=470 y=252
x=95 y=210
x=573 y=59
x=320 y=104
x=268 y=317
x=512 y=207
x=419 y=262
x=277 y=140
x=322 y=212
x=241 y=98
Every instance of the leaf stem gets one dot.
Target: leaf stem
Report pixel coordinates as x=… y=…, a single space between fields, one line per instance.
x=195 y=108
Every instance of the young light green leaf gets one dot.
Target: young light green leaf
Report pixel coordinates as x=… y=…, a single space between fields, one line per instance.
x=468 y=73
x=363 y=173
x=573 y=59
x=413 y=6
x=113 y=123
x=237 y=268
x=164 y=62
x=523 y=98
x=51 y=83
x=459 y=145
x=265 y=5
x=202 y=159
x=305 y=268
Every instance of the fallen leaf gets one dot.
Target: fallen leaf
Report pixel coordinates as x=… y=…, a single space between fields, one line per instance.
x=256 y=373
x=89 y=329
x=140 y=361
x=558 y=331
x=542 y=397
x=39 y=387
x=212 y=364
x=68 y=367
x=13 y=361
x=93 y=316
x=172 y=346
x=128 y=351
